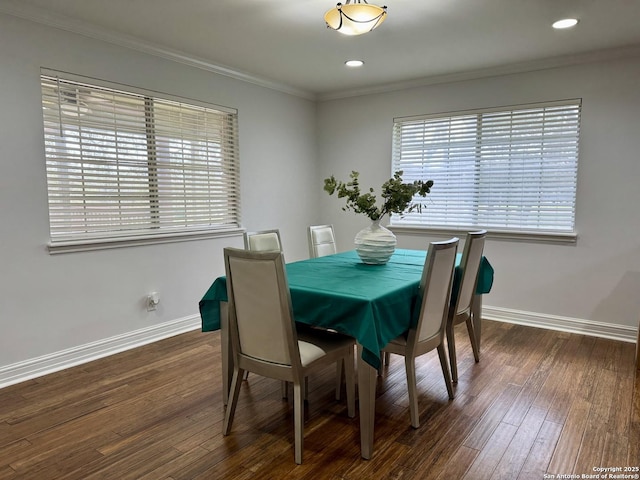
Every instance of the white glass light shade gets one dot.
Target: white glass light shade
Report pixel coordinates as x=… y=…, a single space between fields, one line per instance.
x=355 y=18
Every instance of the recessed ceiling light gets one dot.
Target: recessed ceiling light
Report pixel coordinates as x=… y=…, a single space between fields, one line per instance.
x=565 y=23
x=354 y=63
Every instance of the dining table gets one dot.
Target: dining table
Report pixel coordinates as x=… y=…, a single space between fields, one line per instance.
x=372 y=303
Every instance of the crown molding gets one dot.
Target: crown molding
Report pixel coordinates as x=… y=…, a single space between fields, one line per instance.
x=116 y=38
x=515 y=68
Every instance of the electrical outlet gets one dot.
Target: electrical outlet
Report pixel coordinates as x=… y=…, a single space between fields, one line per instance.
x=152 y=301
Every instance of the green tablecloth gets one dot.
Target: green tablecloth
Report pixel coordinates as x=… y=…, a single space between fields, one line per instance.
x=372 y=303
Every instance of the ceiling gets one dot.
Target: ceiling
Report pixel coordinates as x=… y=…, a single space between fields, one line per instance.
x=286 y=45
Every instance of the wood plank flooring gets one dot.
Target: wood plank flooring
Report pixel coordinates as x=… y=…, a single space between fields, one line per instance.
x=539 y=404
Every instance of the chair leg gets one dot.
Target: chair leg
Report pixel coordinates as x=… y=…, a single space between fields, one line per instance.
x=298 y=421
x=233 y=400
x=339 y=364
x=349 y=375
x=451 y=344
x=385 y=359
x=473 y=338
x=445 y=371
x=410 y=367
x=284 y=388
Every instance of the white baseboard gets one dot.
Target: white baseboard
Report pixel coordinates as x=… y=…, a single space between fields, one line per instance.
x=39 y=366
x=36 y=367
x=622 y=333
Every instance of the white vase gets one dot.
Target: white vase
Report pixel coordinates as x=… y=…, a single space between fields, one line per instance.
x=375 y=244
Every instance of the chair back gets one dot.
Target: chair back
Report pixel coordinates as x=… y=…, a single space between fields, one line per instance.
x=263 y=241
x=435 y=289
x=260 y=319
x=469 y=267
x=321 y=240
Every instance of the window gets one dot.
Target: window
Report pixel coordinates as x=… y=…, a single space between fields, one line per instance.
x=510 y=169
x=128 y=166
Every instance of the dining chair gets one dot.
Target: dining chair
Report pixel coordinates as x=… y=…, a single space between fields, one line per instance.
x=322 y=240
x=428 y=334
x=262 y=241
x=460 y=308
x=269 y=240
x=264 y=337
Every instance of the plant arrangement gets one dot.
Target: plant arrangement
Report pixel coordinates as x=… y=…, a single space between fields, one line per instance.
x=397 y=196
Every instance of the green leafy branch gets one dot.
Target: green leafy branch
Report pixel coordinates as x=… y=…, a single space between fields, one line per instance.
x=397 y=196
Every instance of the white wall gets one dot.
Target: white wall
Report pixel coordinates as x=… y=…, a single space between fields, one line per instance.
x=288 y=145
x=52 y=303
x=597 y=280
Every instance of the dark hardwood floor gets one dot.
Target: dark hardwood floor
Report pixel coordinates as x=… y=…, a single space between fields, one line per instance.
x=538 y=402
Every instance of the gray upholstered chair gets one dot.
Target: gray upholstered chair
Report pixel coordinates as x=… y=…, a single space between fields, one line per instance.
x=460 y=309
x=264 y=337
x=322 y=240
x=428 y=334
x=262 y=241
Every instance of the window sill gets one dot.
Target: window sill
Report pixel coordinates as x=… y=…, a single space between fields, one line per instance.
x=71 y=246
x=518 y=236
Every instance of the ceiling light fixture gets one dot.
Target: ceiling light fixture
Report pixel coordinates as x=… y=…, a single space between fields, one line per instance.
x=355 y=18
x=565 y=23
x=354 y=63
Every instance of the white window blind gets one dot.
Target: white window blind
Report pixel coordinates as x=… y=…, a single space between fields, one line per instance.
x=508 y=169
x=130 y=164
